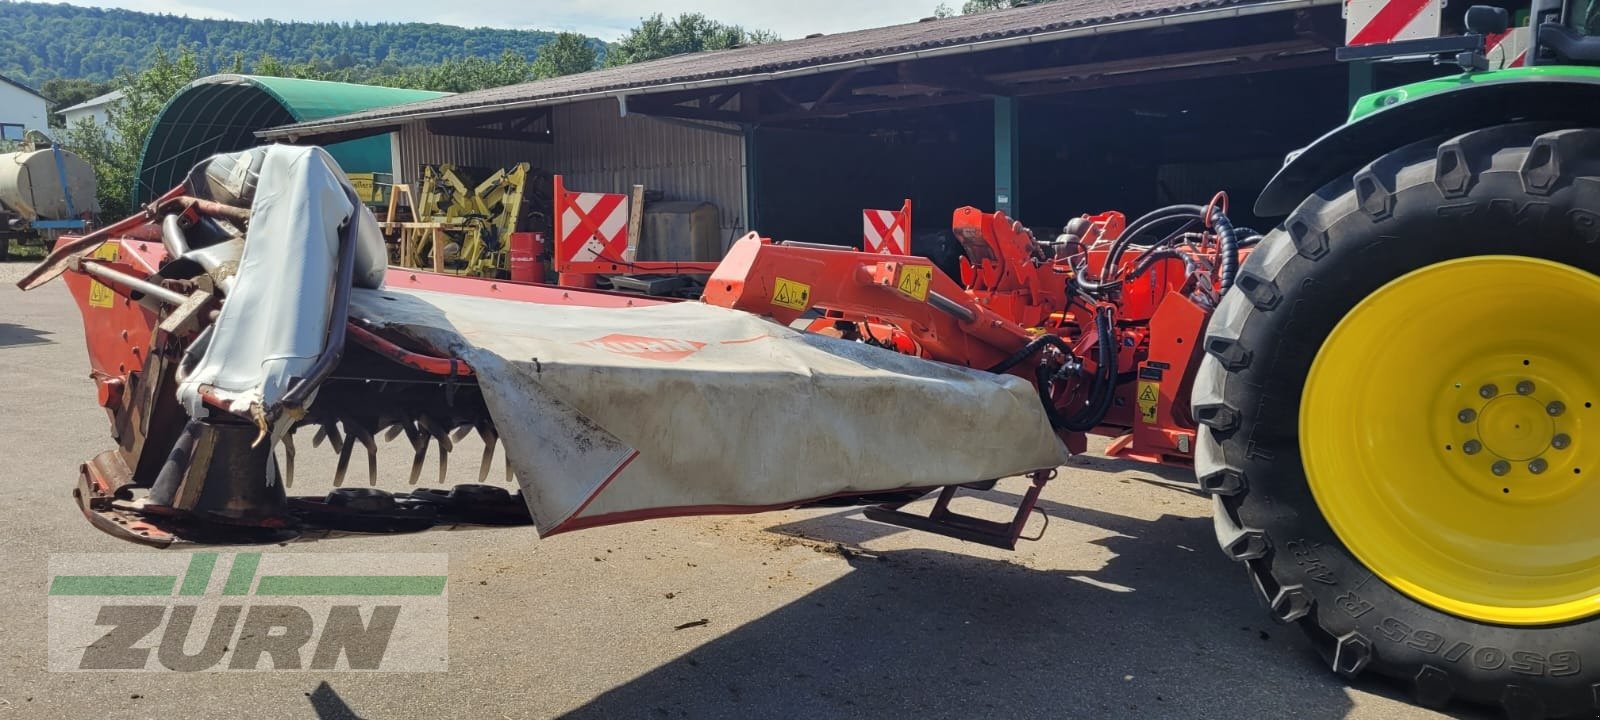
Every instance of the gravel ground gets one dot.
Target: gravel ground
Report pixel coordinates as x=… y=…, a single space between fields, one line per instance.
x=1123 y=609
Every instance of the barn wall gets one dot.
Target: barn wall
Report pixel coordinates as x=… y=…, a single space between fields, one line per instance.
x=597 y=149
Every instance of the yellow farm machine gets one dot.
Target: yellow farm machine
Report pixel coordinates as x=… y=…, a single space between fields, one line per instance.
x=473 y=220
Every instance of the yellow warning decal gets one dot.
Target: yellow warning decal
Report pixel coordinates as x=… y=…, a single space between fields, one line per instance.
x=914 y=280
x=100 y=295
x=1149 y=395
x=790 y=294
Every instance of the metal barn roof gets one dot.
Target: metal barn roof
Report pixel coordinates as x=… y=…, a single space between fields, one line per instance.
x=96 y=101
x=968 y=33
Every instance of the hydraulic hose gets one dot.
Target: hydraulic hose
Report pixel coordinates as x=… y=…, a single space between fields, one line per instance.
x=1149 y=259
x=1041 y=374
x=1042 y=384
x=1188 y=215
x=1140 y=227
x=1101 y=393
x=1144 y=222
x=1028 y=350
x=1093 y=287
x=1105 y=382
x=1230 y=250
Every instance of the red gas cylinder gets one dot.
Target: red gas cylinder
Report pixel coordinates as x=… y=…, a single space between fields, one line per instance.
x=523 y=256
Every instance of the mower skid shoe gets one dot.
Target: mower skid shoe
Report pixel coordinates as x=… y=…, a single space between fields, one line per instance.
x=107 y=502
x=96 y=494
x=943 y=521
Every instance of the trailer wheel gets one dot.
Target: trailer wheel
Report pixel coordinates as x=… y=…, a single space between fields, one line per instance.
x=1400 y=409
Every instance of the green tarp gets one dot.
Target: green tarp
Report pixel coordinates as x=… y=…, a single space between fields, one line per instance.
x=221 y=113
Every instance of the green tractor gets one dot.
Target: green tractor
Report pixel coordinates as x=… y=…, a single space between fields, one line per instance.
x=1400 y=398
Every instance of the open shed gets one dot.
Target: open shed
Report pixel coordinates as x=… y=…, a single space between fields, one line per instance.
x=1045 y=111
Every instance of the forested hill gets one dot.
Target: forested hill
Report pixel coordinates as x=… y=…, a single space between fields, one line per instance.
x=41 y=41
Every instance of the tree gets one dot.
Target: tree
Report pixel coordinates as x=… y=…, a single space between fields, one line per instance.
x=568 y=53
x=115 y=155
x=44 y=41
x=456 y=75
x=452 y=75
x=977 y=6
x=656 y=37
x=269 y=66
x=88 y=139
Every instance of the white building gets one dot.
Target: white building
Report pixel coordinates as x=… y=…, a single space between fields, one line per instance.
x=94 y=108
x=21 y=109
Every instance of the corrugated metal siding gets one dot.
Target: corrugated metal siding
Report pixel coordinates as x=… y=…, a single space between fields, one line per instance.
x=597 y=149
x=419 y=147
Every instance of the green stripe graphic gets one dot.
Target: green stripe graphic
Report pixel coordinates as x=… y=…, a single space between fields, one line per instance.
x=242 y=577
x=198 y=576
x=242 y=573
x=280 y=585
x=112 y=585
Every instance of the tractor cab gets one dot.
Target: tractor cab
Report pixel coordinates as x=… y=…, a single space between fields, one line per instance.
x=1568 y=33
x=1478 y=38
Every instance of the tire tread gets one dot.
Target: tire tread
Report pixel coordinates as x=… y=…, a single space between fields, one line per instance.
x=1222 y=400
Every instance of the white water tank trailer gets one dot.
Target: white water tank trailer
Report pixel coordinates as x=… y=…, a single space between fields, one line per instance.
x=44 y=193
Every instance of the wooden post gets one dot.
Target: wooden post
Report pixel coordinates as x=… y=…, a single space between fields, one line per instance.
x=389 y=219
x=438 y=249
x=635 y=221
x=395 y=191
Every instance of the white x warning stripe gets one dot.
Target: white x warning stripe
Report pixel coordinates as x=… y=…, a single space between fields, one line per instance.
x=1371 y=22
x=881 y=234
x=615 y=207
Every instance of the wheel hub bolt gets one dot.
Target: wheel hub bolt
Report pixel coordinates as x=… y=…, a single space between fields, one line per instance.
x=1471 y=447
x=1500 y=467
x=1560 y=441
x=1467 y=415
x=1537 y=465
x=1525 y=387
x=1488 y=391
x=1555 y=408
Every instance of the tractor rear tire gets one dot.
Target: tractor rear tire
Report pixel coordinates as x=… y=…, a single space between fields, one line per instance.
x=1518 y=192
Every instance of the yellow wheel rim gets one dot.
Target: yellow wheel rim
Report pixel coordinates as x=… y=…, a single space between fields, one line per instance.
x=1445 y=429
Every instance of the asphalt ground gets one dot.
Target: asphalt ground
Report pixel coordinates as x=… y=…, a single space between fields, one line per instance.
x=1123 y=609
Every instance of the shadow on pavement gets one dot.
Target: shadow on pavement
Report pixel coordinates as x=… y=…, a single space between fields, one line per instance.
x=11 y=334
x=327 y=704
x=1167 y=628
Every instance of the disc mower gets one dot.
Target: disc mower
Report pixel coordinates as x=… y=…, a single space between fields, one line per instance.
x=1388 y=397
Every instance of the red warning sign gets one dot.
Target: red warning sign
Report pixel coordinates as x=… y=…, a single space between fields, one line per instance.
x=887 y=232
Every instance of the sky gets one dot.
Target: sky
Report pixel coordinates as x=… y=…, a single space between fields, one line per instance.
x=605 y=19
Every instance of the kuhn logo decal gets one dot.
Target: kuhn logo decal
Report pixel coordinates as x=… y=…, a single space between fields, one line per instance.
x=663 y=349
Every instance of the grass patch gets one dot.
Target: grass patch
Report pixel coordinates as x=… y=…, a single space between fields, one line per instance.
x=25 y=253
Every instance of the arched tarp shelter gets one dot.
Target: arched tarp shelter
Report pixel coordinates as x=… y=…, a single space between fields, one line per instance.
x=221 y=113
